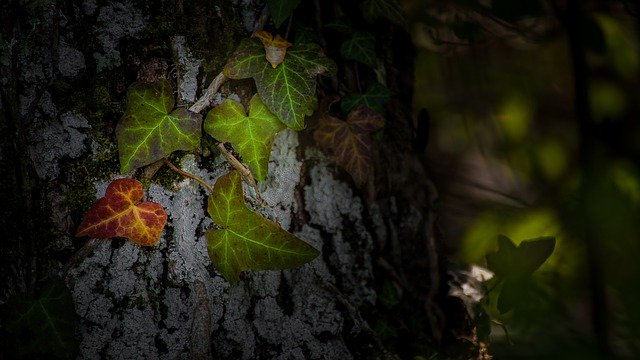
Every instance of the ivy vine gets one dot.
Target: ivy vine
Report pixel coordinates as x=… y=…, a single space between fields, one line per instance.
x=285 y=75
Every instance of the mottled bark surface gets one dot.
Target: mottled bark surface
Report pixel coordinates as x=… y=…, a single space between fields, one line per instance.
x=65 y=69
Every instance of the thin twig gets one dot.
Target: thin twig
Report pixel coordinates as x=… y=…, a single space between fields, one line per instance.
x=200 y=105
x=187 y=174
x=244 y=171
x=207 y=97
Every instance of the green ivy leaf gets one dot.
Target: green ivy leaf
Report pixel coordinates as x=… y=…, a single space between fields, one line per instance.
x=519 y=262
x=44 y=325
x=361 y=47
x=252 y=136
x=289 y=89
x=149 y=130
x=390 y=9
x=281 y=10
x=248 y=241
x=512 y=294
x=376 y=98
x=514 y=265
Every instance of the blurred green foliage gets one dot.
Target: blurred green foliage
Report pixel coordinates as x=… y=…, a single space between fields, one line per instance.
x=506 y=154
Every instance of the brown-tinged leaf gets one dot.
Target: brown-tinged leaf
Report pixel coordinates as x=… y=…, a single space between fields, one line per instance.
x=275 y=47
x=120 y=213
x=350 y=142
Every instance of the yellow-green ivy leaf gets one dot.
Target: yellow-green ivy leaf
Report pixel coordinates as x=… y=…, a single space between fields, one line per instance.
x=150 y=130
x=251 y=136
x=248 y=241
x=289 y=90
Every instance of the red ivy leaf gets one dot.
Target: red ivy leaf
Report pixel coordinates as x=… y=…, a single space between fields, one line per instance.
x=350 y=142
x=120 y=213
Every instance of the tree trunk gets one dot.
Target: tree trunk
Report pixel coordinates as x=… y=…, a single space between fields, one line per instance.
x=66 y=67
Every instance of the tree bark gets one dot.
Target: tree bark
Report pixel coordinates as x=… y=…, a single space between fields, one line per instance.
x=64 y=82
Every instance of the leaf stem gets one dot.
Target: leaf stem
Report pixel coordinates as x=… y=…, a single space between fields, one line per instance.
x=243 y=170
x=197 y=107
x=187 y=174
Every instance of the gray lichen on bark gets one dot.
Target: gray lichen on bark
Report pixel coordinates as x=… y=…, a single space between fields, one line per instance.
x=189 y=70
x=50 y=142
x=115 y=21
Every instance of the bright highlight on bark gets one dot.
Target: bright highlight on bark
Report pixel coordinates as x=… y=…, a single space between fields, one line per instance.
x=248 y=241
x=120 y=213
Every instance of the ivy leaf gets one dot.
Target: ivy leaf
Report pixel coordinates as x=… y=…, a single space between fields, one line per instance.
x=361 y=47
x=512 y=293
x=390 y=9
x=248 y=241
x=289 y=89
x=120 y=213
x=350 y=142
x=252 y=136
x=376 y=98
x=281 y=10
x=40 y=325
x=519 y=262
x=149 y=130
x=341 y=25
x=514 y=266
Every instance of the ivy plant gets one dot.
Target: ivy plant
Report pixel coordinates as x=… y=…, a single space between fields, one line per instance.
x=514 y=266
x=151 y=129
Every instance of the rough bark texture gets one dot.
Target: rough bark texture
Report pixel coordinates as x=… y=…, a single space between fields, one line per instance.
x=66 y=66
